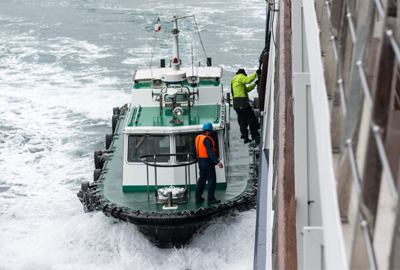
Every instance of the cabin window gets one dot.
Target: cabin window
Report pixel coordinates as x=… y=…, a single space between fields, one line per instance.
x=185 y=142
x=145 y=144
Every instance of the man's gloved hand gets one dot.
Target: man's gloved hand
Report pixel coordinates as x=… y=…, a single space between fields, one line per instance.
x=257 y=82
x=258 y=71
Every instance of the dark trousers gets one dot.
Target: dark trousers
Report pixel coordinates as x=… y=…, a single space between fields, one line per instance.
x=246 y=118
x=207 y=173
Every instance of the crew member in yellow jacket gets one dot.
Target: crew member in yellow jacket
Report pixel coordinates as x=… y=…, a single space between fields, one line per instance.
x=241 y=105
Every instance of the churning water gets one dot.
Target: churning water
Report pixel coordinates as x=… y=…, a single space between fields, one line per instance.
x=63 y=65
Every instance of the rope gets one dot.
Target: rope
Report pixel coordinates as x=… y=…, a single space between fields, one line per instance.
x=198 y=32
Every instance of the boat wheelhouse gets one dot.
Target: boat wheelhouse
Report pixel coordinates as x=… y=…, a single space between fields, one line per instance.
x=165 y=118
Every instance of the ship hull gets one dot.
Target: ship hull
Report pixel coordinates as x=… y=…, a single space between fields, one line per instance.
x=168 y=230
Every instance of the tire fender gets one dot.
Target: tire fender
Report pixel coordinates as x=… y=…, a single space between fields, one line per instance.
x=98 y=164
x=109 y=139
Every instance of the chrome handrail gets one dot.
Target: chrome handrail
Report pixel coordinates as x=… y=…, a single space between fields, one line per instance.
x=186 y=164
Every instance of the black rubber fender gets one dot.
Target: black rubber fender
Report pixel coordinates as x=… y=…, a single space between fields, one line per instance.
x=85 y=186
x=109 y=138
x=257 y=114
x=114 y=122
x=112 y=210
x=96 y=174
x=255 y=103
x=98 y=164
x=116 y=111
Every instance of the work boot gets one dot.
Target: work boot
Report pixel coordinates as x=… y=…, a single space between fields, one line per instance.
x=214 y=200
x=246 y=140
x=200 y=200
x=242 y=136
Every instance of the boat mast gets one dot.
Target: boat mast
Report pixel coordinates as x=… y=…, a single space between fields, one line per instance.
x=176 y=63
x=175 y=46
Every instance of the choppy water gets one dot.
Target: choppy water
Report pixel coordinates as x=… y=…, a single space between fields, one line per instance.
x=63 y=66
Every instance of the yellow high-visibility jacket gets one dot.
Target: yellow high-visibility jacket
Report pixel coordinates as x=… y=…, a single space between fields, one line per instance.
x=239 y=85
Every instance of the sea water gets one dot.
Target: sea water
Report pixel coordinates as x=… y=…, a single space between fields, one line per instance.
x=63 y=66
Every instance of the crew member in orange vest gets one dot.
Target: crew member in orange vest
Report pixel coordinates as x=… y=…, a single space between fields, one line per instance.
x=204 y=150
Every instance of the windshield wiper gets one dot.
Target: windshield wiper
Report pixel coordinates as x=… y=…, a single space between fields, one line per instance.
x=141 y=141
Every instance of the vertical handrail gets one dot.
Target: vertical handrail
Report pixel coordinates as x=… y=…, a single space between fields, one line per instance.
x=216 y=113
x=186 y=177
x=137 y=114
x=185 y=164
x=148 y=189
x=195 y=172
x=155 y=176
x=189 y=171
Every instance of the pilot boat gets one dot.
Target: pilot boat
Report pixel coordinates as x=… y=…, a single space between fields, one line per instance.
x=147 y=174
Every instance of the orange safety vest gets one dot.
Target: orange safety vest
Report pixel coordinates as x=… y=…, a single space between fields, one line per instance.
x=201 y=150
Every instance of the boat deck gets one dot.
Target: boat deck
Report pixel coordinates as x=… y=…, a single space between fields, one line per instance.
x=111 y=182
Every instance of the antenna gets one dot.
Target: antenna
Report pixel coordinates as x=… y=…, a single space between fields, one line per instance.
x=192 y=61
x=147 y=51
x=201 y=41
x=151 y=62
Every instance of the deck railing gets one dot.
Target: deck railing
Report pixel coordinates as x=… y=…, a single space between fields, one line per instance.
x=339 y=60
x=156 y=165
x=343 y=58
x=369 y=129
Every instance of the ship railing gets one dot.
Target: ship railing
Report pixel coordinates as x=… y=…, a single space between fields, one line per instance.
x=181 y=89
x=358 y=77
x=367 y=142
x=156 y=165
